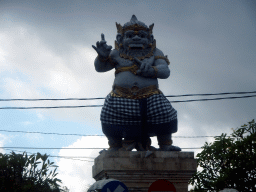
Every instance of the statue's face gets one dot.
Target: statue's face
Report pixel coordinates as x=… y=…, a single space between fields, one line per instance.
x=134 y=40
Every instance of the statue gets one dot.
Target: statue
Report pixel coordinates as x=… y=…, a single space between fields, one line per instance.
x=136 y=109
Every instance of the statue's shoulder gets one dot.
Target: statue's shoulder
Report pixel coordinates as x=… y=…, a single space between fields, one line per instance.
x=160 y=55
x=158 y=52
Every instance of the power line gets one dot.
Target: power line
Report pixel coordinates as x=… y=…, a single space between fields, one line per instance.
x=55 y=107
x=65 y=99
x=210 y=94
x=64 y=157
x=49 y=133
x=220 y=98
x=68 y=134
x=69 y=148
x=70 y=99
x=82 y=106
x=47 y=148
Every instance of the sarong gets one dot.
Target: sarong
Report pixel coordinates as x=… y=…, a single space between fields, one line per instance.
x=123 y=111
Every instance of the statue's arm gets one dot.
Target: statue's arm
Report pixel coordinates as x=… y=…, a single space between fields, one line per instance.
x=162 y=70
x=105 y=64
x=104 y=61
x=154 y=67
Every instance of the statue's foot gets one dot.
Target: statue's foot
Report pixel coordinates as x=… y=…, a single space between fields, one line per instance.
x=129 y=145
x=113 y=149
x=169 y=148
x=151 y=148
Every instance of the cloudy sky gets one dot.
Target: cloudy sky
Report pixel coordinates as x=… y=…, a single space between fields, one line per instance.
x=46 y=52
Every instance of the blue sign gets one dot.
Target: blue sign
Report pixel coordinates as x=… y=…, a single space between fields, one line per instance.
x=114 y=186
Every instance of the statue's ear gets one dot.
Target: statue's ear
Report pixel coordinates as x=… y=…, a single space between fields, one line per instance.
x=151 y=38
x=119 y=38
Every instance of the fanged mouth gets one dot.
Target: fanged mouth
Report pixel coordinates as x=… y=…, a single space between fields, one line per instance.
x=136 y=46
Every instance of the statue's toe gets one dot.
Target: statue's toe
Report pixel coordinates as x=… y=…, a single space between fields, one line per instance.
x=169 y=148
x=129 y=146
x=152 y=148
x=111 y=149
x=102 y=151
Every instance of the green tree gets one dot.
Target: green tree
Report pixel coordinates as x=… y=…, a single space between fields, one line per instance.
x=228 y=162
x=20 y=172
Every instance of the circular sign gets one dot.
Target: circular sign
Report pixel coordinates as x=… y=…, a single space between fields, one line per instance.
x=162 y=185
x=114 y=186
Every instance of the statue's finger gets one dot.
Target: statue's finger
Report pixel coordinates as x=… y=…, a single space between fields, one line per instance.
x=137 y=60
x=152 y=59
x=94 y=48
x=102 y=37
x=142 y=66
x=109 y=47
x=102 y=43
x=98 y=43
x=147 y=68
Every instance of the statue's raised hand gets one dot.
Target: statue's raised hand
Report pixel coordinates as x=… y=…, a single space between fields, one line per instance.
x=145 y=66
x=102 y=48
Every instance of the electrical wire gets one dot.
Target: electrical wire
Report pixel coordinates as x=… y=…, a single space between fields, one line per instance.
x=220 y=98
x=55 y=107
x=68 y=134
x=186 y=95
x=47 y=148
x=82 y=106
x=8 y=148
x=69 y=148
x=48 y=133
x=64 y=157
x=210 y=94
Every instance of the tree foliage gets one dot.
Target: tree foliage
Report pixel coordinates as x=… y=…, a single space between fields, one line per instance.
x=228 y=162
x=20 y=172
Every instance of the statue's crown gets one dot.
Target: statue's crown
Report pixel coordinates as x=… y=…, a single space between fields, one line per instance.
x=134 y=25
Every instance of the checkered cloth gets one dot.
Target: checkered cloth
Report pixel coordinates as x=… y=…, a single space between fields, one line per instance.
x=123 y=111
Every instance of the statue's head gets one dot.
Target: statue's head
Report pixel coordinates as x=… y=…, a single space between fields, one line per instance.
x=134 y=36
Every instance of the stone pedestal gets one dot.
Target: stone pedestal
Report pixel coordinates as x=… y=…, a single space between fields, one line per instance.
x=138 y=172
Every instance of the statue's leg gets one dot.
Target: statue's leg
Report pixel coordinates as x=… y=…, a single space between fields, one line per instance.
x=164 y=133
x=132 y=138
x=162 y=121
x=120 y=118
x=115 y=143
x=165 y=143
x=114 y=135
x=130 y=133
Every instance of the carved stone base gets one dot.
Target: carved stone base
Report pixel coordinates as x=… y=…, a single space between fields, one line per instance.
x=138 y=172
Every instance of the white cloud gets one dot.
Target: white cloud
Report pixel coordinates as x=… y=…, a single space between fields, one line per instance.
x=16 y=88
x=3 y=140
x=3 y=55
x=63 y=82
x=40 y=116
x=76 y=174
x=27 y=123
x=35 y=139
x=36 y=71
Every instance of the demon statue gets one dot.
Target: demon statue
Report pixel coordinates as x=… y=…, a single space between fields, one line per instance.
x=136 y=109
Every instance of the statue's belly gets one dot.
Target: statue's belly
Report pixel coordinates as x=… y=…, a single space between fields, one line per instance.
x=128 y=79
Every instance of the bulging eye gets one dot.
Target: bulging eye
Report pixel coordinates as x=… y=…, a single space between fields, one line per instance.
x=142 y=36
